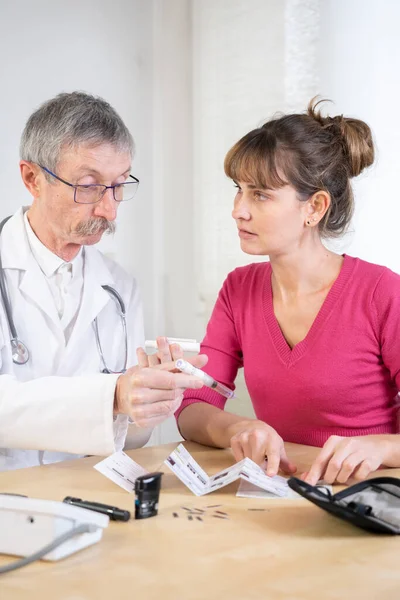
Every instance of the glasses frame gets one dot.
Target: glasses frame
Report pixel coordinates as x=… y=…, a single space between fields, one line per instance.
x=76 y=186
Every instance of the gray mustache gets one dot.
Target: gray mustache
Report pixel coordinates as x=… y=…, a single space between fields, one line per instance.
x=94 y=226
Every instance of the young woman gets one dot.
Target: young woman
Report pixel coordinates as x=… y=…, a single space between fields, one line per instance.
x=318 y=333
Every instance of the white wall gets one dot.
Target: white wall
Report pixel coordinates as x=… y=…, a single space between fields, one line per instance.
x=173 y=168
x=174 y=299
x=359 y=70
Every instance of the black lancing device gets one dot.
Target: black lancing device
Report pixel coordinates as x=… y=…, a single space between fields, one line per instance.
x=115 y=514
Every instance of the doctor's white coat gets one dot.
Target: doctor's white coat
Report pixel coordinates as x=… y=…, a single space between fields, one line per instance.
x=59 y=402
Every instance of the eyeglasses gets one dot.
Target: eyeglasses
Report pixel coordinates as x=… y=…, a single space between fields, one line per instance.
x=92 y=193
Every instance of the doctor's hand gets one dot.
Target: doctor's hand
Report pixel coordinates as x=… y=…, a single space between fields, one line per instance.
x=257 y=440
x=149 y=395
x=342 y=458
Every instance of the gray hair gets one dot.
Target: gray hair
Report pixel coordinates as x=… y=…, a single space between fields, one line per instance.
x=68 y=120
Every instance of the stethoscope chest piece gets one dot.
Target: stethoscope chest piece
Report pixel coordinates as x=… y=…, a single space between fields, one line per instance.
x=20 y=353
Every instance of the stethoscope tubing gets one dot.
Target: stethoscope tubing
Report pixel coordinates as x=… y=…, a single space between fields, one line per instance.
x=4 y=294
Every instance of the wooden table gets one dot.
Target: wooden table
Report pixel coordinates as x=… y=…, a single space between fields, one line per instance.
x=291 y=550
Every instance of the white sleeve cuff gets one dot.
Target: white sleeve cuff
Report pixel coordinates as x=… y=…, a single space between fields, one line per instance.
x=120 y=426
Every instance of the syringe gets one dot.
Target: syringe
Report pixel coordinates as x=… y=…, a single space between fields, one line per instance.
x=189 y=369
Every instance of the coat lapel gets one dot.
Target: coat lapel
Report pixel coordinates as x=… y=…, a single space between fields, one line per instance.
x=94 y=297
x=16 y=254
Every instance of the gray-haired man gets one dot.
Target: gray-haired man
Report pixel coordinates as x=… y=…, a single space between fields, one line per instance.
x=70 y=318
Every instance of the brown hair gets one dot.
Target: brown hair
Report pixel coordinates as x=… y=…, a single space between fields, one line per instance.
x=309 y=152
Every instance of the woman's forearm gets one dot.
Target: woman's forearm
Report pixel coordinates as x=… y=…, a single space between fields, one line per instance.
x=206 y=424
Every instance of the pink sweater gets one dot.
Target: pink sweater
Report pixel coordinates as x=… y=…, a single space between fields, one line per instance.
x=342 y=379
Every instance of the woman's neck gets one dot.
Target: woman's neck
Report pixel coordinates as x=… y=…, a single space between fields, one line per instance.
x=305 y=271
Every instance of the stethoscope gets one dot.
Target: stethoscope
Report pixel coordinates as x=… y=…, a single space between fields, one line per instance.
x=122 y=313
x=19 y=351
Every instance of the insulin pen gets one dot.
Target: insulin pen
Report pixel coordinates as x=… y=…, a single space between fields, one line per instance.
x=186 y=345
x=189 y=369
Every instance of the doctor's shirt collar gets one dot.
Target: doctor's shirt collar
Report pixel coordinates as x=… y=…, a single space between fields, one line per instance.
x=46 y=259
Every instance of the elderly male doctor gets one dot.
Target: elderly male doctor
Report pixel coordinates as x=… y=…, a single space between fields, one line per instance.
x=70 y=318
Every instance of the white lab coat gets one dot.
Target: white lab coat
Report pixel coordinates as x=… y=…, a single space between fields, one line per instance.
x=59 y=402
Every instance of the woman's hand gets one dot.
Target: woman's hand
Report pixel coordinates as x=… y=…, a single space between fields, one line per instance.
x=165 y=353
x=343 y=458
x=258 y=441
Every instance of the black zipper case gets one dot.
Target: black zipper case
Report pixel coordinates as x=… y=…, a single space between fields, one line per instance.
x=373 y=505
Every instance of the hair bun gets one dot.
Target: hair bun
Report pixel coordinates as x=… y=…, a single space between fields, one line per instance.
x=354 y=134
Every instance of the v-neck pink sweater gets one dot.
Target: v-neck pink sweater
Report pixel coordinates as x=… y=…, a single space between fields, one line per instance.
x=342 y=379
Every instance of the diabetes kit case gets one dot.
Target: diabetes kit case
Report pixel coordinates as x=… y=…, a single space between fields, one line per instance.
x=373 y=505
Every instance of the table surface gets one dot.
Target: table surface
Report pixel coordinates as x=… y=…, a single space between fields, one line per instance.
x=291 y=549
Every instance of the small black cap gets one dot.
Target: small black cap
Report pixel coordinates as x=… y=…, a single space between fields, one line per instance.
x=148 y=483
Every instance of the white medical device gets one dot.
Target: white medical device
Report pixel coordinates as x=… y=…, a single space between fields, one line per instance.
x=45 y=529
x=186 y=344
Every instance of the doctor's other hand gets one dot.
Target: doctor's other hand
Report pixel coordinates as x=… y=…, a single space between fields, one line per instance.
x=257 y=440
x=149 y=395
x=344 y=458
